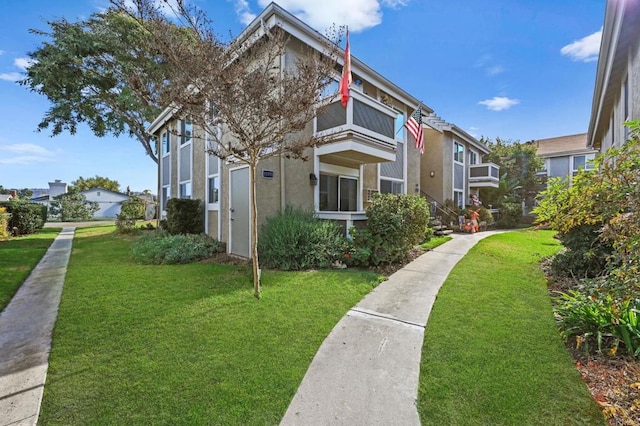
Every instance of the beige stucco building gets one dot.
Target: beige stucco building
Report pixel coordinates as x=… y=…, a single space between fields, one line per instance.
x=369 y=151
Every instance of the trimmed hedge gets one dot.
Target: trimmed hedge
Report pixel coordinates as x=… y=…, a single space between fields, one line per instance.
x=26 y=217
x=185 y=216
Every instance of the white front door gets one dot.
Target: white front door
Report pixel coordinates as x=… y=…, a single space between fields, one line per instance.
x=239 y=235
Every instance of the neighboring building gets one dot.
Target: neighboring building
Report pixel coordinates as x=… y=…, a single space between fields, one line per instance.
x=370 y=152
x=56 y=188
x=109 y=202
x=6 y=197
x=616 y=97
x=563 y=156
x=452 y=167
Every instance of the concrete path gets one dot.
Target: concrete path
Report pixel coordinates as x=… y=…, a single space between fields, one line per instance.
x=26 y=327
x=366 y=371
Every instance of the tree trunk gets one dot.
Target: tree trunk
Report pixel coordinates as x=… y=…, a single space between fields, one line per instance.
x=254 y=231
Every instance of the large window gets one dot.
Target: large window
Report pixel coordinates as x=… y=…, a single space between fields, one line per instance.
x=166 y=143
x=583 y=162
x=458 y=152
x=185 y=190
x=187 y=131
x=391 y=187
x=458 y=199
x=213 y=173
x=338 y=193
x=473 y=158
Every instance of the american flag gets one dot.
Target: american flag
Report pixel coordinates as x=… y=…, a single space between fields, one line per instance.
x=414 y=126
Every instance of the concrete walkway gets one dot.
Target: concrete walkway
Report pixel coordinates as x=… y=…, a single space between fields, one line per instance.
x=366 y=371
x=26 y=327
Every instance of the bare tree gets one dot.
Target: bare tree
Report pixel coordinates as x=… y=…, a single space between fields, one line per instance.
x=250 y=99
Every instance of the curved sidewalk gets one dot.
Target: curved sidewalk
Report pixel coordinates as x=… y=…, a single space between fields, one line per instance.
x=366 y=371
x=26 y=327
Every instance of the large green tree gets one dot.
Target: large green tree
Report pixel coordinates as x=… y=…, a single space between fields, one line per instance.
x=82 y=184
x=519 y=164
x=103 y=71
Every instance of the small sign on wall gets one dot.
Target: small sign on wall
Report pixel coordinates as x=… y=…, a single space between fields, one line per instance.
x=267 y=174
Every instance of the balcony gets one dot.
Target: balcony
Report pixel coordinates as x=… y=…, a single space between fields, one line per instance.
x=485 y=175
x=361 y=133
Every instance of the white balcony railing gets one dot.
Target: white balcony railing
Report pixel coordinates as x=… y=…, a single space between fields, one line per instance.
x=365 y=125
x=484 y=175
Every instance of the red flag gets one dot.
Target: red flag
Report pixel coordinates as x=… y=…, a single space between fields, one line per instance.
x=414 y=126
x=345 y=81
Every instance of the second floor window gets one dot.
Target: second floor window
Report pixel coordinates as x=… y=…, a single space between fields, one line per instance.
x=458 y=152
x=187 y=130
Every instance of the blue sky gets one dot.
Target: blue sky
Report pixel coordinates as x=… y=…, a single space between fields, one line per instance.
x=514 y=69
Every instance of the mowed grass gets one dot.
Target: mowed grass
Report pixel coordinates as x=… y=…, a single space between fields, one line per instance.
x=184 y=344
x=492 y=354
x=18 y=257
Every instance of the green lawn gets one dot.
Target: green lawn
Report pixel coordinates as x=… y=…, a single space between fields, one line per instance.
x=492 y=354
x=184 y=344
x=435 y=242
x=18 y=257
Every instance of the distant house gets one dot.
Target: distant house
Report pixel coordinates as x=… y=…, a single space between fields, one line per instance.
x=563 y=156
x=6 y=197
x=109 y=202
x=56 y=188
x=616 y=96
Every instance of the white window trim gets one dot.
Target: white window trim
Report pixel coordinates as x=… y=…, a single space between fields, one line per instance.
x=453 y=172
x=163 y=209
x=180 y=148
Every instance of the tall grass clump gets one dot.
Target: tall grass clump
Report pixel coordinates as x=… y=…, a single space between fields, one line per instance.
x=295 y=240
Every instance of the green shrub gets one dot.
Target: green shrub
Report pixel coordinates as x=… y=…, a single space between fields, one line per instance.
x=485 y=215
x=295 y=239
x=185 y=216
x=161 y=248
x=133 y=208
x=73 y=206
x=510 y=215
x=130 y=211
x=4 y=223
x=125 y=225
x=395 y=224
x=586 y=254
x=27 y=217
x=600 y=323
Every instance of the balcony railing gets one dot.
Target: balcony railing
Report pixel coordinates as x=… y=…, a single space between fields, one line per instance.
x=484 y=175
x=365 y=125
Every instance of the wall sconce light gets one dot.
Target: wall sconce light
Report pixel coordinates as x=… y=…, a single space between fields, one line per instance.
x=313 y=180
x=432 y=173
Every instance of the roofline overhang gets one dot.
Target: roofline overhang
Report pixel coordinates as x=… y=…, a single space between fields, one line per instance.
x=619 y=30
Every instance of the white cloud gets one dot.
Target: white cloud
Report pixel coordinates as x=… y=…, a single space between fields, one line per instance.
x=25 y=153
x=586 y=49
x=27 y=148
x=359 y=15
x=244 y=12
x=10 y=76
x=23 y=63
x=499 y=103
x=495 y=70
x=1 y=52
